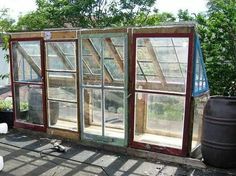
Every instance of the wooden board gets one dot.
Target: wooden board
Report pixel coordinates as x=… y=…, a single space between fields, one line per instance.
x=63 y=34
x=101 y=31
x=165 y=29
x=26 y=35
x=64 y=134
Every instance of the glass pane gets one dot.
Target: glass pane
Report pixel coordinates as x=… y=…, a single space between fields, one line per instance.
x=62 y=86
x=161 y=42
x=119 y=43
x=200 y=81
x=114 y=70
x=68 y=48
x=91 y=60
x=26 y=61
x=92 y=65
x=148 y=68
x=61 y=55
x=92 y=108
x=182 y=53
x=113 y=61
x=197 y=73
x=97 y=44
x=162 y=62
x=199 y=103
x=166 y=54
x=62 y=115
x=159 y=119
x=141 y=52
x=114 y=114
x=173 y=73
x=28 y=102
x=32 y=49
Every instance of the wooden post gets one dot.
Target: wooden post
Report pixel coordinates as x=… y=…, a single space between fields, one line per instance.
x=115 y=53
x=155 y=61
x=16 y=77
x=29 y=59
x=87 y=107
x=141 y=113
x=62 y=56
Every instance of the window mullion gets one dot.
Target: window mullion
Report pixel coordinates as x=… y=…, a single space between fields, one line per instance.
x=103 y=96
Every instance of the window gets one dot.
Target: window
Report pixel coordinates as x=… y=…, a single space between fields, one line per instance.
x=161 y=74
x=103 y=88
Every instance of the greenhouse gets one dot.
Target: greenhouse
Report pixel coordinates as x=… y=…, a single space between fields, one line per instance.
x=142 y=88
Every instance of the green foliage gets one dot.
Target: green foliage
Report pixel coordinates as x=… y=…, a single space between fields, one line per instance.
x=6 y=105
x=219 y=45
x=217 y=31
x=183 y=15
x=33 y=21
x=83 y=13
x=6 y=23
x=144 y=19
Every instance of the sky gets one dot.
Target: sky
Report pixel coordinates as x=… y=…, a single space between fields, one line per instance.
x=21 y=7
x=18 y=7
x=193 y=6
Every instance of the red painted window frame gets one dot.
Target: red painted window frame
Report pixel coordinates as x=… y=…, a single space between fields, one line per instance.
x=186 y=143
x=18 y=124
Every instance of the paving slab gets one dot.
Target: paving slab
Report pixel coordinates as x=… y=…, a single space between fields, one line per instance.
x=32 y=155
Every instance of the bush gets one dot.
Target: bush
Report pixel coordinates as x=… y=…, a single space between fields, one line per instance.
x=6 y=105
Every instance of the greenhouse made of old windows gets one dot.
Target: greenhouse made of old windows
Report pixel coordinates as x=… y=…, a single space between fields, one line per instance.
x=141 y=88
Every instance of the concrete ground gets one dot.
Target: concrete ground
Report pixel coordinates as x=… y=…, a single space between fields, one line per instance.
x=31 y=155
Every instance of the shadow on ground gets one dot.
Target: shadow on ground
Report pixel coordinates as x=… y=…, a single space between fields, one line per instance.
x=23 y=156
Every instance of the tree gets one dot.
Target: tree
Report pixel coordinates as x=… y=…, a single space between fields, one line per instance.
x=6 y=23
x=219 y=45
x=183 y=15
x=84 y=13
x=143 y=19
x=33 y=21
x=217 y=31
